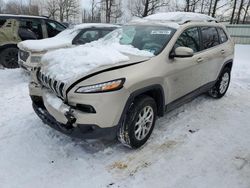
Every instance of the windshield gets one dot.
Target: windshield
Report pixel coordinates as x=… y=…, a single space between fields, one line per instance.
x=149 y=38
x=68 y=33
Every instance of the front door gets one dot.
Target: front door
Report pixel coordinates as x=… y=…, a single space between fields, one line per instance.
x=186 y=75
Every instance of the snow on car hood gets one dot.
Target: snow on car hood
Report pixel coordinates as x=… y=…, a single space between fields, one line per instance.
x=63 y=39
x=68 y=64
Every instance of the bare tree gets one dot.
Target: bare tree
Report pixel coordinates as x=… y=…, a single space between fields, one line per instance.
x=143 y=8
x=246 y=11
x=2 y=5
x=191 y=5
x=63 y=8
x=52 y=8
x=112 y=9
x=215 y=7
x=239 y=11
x=71 y=8
x=234 y=8
x=95 y=11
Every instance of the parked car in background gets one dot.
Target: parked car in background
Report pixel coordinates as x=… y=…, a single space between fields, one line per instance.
x=119 y=86
x=31 y=51
x=17 y=28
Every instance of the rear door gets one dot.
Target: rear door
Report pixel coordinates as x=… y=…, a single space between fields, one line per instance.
x=30 y=29
x=212 y=54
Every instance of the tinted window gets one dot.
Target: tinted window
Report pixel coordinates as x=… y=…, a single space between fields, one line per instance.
x=2 y=21
x=87 y=36
x=222 y=34
x=210 y=37
x=33 y=27
x=105 y=32
x=53 y=28
x=189 y=38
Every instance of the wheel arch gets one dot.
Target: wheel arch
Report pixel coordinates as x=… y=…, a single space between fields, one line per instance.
x=155 y=91
x=228 y=64
x=3 y=47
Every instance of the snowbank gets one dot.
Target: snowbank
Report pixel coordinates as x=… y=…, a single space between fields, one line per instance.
x=62 y=40
x=65 y=64
x=179 y=17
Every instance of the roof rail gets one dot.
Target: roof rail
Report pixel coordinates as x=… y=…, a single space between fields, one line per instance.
x=198 y=21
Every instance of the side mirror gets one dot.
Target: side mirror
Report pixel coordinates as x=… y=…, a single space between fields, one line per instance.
x=182 y=52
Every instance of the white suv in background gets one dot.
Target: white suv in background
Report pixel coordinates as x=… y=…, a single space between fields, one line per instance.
x=31 y=51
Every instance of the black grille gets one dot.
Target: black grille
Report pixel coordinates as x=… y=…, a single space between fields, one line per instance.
x=23 y=55
x=54 y=85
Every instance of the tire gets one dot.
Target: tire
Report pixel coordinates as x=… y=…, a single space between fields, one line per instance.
x=9 y=58
x=221 y=86
x=137 y=128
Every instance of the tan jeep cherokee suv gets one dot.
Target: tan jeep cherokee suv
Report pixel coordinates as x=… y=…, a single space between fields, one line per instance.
x=189 y=57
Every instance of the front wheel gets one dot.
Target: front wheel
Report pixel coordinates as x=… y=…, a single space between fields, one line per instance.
x=138 y=123
x=221 y=86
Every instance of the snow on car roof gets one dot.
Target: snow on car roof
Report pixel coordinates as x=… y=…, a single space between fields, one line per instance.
x=26 y=16
x=97 y=25
x=141 y=21
x=179 y=17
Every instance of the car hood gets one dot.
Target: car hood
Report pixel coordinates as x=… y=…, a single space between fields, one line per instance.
x=62 y=40
x=44 y=44
x=65 y=65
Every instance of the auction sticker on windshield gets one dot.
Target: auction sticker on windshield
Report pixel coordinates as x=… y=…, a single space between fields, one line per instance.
x=160 y=32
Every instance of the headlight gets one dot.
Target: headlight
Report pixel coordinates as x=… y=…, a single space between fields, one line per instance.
x=35 y=59
x=102 y=87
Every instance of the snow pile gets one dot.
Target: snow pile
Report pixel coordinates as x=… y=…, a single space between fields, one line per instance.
x=62 y=40
x=137 y=20
x=180 y=17
x=55 y=101
x=65 y=64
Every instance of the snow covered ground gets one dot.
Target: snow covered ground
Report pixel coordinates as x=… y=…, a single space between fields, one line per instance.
x=205 y=143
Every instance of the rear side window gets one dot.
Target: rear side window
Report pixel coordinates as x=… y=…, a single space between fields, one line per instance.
x=222 y=34
x=105 y=32
x=189 y=38
x=31 y=26
x=210 y=37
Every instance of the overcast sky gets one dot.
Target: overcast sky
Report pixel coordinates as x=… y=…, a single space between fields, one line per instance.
x=86 y=4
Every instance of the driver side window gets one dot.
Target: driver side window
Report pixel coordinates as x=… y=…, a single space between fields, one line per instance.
x=189 y=38
x=87 y=36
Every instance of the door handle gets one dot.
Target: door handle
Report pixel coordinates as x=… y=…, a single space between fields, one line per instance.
x=199 y=60
x=222 y=51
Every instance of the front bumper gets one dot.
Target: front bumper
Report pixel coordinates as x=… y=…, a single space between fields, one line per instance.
x=27 y=66
x=82 y=131
x=100 y=122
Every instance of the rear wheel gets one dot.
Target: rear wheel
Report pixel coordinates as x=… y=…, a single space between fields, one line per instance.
x=138 y=123
x=221 y=86
x=9 y=57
